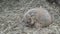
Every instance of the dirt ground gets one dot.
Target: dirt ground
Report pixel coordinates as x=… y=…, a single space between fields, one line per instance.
x=12 y=11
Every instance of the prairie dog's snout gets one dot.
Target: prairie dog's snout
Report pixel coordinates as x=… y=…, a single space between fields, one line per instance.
x=37 y=17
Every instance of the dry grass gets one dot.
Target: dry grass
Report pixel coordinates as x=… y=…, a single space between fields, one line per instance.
x=12 y=11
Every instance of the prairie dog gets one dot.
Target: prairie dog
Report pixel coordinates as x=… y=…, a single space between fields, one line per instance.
x=37 y=17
